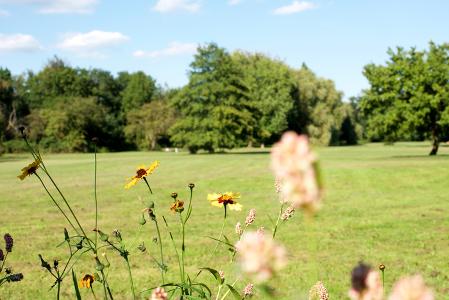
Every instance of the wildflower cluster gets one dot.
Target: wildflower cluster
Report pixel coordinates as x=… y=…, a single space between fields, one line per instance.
x=259 y=256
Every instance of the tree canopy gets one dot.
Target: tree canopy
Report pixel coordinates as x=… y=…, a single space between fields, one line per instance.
x=408 y=97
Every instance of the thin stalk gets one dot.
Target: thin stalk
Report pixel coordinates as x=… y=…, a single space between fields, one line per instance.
x=59 y=289
x=93 y=293
x=182 y=247
x=221 y=231
x=278 y=219
x=3 y=262
x=176 y=250
x=148 y=185
x=158 y=236
x=95 y=195
x=219 y=290
x=106 y=286
x=69 y=207
x=224 y=296
x=56 y=203
x=130 y=278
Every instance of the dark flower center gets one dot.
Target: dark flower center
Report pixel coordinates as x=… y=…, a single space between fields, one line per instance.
x=141 y=173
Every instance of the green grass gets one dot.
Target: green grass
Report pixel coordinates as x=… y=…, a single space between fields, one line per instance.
x=384 y=204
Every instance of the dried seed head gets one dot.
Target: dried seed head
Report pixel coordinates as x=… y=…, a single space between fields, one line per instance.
x=191 y=186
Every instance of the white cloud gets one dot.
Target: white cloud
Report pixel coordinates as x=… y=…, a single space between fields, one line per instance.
x=4 y=13
x=58 y=6
x=174 y=5
x=18 y=43
x=92 y=40
x=175 y=48
x=294 y=7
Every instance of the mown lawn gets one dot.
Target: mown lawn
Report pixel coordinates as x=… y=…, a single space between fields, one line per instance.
x=384 y=204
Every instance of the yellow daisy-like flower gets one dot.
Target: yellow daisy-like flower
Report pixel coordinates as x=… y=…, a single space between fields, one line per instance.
x=30 y=169
x=86 y=281
x=229 y=199
x=142 y=172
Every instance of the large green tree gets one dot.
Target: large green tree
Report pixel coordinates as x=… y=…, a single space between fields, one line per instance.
x=271 y=86
x=215 y=110
x=319 y=109
x=409 y=95
x=139 y=89
x=149 y=123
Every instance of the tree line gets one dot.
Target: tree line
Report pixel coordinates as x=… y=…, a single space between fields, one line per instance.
x=231 y=100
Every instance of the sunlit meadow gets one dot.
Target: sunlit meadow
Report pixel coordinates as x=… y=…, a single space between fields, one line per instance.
x=382 y=205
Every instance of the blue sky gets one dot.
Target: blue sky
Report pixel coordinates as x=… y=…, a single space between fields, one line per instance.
x=335 y=38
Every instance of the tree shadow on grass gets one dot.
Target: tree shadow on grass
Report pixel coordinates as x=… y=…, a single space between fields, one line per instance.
x=9 y=158
x=442 y=156
x=235 y=152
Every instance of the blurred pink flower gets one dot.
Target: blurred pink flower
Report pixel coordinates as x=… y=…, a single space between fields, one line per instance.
x=411 y=288
x=288 y=213
x=221 y=273
x=251 y=217
x=248 y=290
x=159 y=294
x=238 y=228
x=295 y=165
x=318 y=292
x=260 y=256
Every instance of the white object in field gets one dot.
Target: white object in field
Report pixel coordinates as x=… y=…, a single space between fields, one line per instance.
x=176 y=150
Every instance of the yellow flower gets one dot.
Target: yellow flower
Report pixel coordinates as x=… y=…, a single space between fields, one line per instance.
x=229 y=199
x=178 y=206
x=30 y=169
x=87 y=281
x=142 y=172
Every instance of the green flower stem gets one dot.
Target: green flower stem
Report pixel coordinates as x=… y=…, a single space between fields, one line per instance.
x=56 y=203
x=162 y=267
x=106 y=286
x=278 y=219
x=174 y=246
x=95 y=196
x=183 y=248
x=228 y=291
x=93 y=293
x=221 y=231
x=130 y=278
x=219 y=291
x=3 y=262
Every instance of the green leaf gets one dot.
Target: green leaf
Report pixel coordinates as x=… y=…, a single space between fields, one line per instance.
x=234 y=292
x=75 y=285
x=214 y=273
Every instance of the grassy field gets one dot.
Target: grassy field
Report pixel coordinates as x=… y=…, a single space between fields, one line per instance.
x=384 y=204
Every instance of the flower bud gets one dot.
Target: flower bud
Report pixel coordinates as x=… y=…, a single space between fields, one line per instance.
x=174 y=195
x=9 y=242
x=44 y=264
x=382 y=267
x=66 y=235
x=142 y=220
x=191 y=186
x=15 y=277
x=116 y=233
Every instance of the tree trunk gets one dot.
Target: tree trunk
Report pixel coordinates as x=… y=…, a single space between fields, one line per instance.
x=435 y=143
